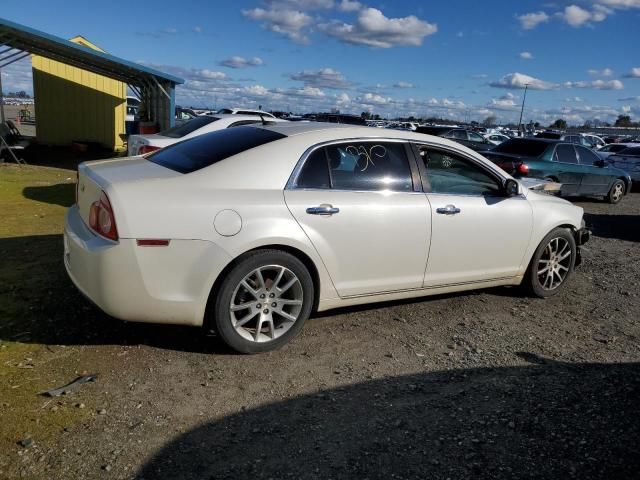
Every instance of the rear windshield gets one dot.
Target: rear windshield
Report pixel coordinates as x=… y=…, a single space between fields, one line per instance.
x=188 y=127
x=526 y=148
x=204 y=150
x=433 y=130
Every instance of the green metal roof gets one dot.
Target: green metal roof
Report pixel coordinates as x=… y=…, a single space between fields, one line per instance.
x=30 y=40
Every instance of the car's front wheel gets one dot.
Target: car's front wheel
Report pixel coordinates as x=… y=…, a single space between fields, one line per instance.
x=552 y=263
x=264 y=301
x=617 y=192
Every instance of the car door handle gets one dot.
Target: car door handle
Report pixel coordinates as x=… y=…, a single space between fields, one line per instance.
x=448 y=210
x=324 y=209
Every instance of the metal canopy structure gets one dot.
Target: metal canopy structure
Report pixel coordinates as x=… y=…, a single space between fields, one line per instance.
x=156 y=89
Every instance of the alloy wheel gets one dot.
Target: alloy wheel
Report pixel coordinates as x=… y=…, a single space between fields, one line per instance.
x=618 y=191
x=266 y=303
x=555 y=261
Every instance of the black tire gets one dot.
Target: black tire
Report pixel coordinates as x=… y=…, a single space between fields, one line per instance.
x=223 y=316
x=551 y=179
x=618 y=189
x=536 y=282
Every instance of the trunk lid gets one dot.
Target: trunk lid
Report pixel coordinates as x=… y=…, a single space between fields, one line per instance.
x=105 y=175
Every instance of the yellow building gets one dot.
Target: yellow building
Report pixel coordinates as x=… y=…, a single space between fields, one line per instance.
x=73 y=104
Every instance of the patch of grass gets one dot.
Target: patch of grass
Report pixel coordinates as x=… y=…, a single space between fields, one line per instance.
x=34 y=199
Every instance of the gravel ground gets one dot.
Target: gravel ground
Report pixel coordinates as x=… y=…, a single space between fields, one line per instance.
x=487 y=384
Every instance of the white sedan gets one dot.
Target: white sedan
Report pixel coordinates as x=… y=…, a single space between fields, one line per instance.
x=496 y=138
x=141 y=144
x=250 y=229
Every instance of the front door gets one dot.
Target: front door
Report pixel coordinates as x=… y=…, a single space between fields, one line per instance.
x=477 y=232
x=567 y=169
x=595 y=179
x=357 y=204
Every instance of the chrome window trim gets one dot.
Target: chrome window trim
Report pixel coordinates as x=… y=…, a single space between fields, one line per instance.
x=291 y=183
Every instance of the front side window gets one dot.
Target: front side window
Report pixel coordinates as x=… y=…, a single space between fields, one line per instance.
x=358 y=166
x=586 y=156
x=451 y=174
x=565 y=154
x=474 y=137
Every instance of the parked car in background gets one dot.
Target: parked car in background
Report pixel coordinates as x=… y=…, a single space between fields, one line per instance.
x=244 y=111
x=141 y=144
x=133 y=105
x=608 y=150
x=249 y=229
x=565 y=137
x=496 y=138
x=594 y=141
x=616 y=138
x=468 y=138
x=577 y=168
x=183 y=115
x=628 y=160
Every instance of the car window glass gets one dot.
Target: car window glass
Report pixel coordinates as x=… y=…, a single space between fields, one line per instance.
x=315 y=172
x=565 y=154
x=458 y=134
x=450 y=174
x=474 y=137
x=188 y=127
x=631 y=151
x=586 y=156
x=369 y=166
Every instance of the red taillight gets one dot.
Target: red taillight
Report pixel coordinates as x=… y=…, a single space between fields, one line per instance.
x=101 y=218
x=523 y=169
x=147 y=149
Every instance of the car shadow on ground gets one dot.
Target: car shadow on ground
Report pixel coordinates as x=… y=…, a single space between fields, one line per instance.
x=62 y=194
x=621 y=227
x=547 y=420
x=39 y=304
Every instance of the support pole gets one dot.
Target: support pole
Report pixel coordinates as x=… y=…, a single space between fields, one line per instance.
x=1 y=99
x=526 y=85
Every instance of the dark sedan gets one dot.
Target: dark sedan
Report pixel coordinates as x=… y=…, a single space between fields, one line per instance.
x=577 y=168
x=468 y=138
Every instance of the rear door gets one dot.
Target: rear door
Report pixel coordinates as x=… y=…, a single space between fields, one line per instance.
x=360 y=203
x=568 y=171
x=595 y=179
x=478 y=234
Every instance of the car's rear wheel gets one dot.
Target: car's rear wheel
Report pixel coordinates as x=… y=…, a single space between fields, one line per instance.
x=552 y=263
x=264 y=301
x=617 y=192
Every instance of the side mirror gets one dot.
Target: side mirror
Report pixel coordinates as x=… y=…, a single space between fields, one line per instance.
x=511 y=188
x=600 y=163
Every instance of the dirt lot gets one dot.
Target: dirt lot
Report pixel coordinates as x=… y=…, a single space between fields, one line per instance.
x=488 y=384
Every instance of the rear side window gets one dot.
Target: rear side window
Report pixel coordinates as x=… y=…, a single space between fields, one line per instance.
x=188 y=127
x=205 y=150
x=358 y=166
x=631 y=151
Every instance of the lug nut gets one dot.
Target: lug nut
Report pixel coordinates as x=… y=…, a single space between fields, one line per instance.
x=271 y=295
x=266 y=310
x=274 y=304
x=259 y=305
x=262 y=296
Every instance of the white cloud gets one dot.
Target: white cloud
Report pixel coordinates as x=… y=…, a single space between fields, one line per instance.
x=530 y=21
x=519 y=80
x=577 y=16
x=241 y=62
x=574 y=99
x=526 y=55
x=373 y=29
x=17 y=76
x=621 y=4
x=303 y=5
x=479 y=76
x=373 y=99
x=349 y=6
x=403 y=85
x=257 y=90
x=597 y=84
x=633 y=73
x=323 y=78
x=197 y=29
x=606 y=72
x=282 y=21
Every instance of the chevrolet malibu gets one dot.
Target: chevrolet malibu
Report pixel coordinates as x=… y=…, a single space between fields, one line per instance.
x=250 y=229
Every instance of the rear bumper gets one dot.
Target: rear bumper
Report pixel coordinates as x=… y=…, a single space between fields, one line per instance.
x=141 y=284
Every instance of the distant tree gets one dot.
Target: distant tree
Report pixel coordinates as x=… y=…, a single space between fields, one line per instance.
x=366 y=115
x=490 y=121
x=560 y=124
x=536 y=125
x=376 y=117
x=623 y=121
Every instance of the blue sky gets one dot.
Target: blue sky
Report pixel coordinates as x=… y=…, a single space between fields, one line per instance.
x=457 y=59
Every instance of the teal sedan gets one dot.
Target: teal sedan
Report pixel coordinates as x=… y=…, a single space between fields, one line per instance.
x=580 y=171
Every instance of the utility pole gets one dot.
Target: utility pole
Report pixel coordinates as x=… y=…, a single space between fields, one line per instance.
x=526 y=85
